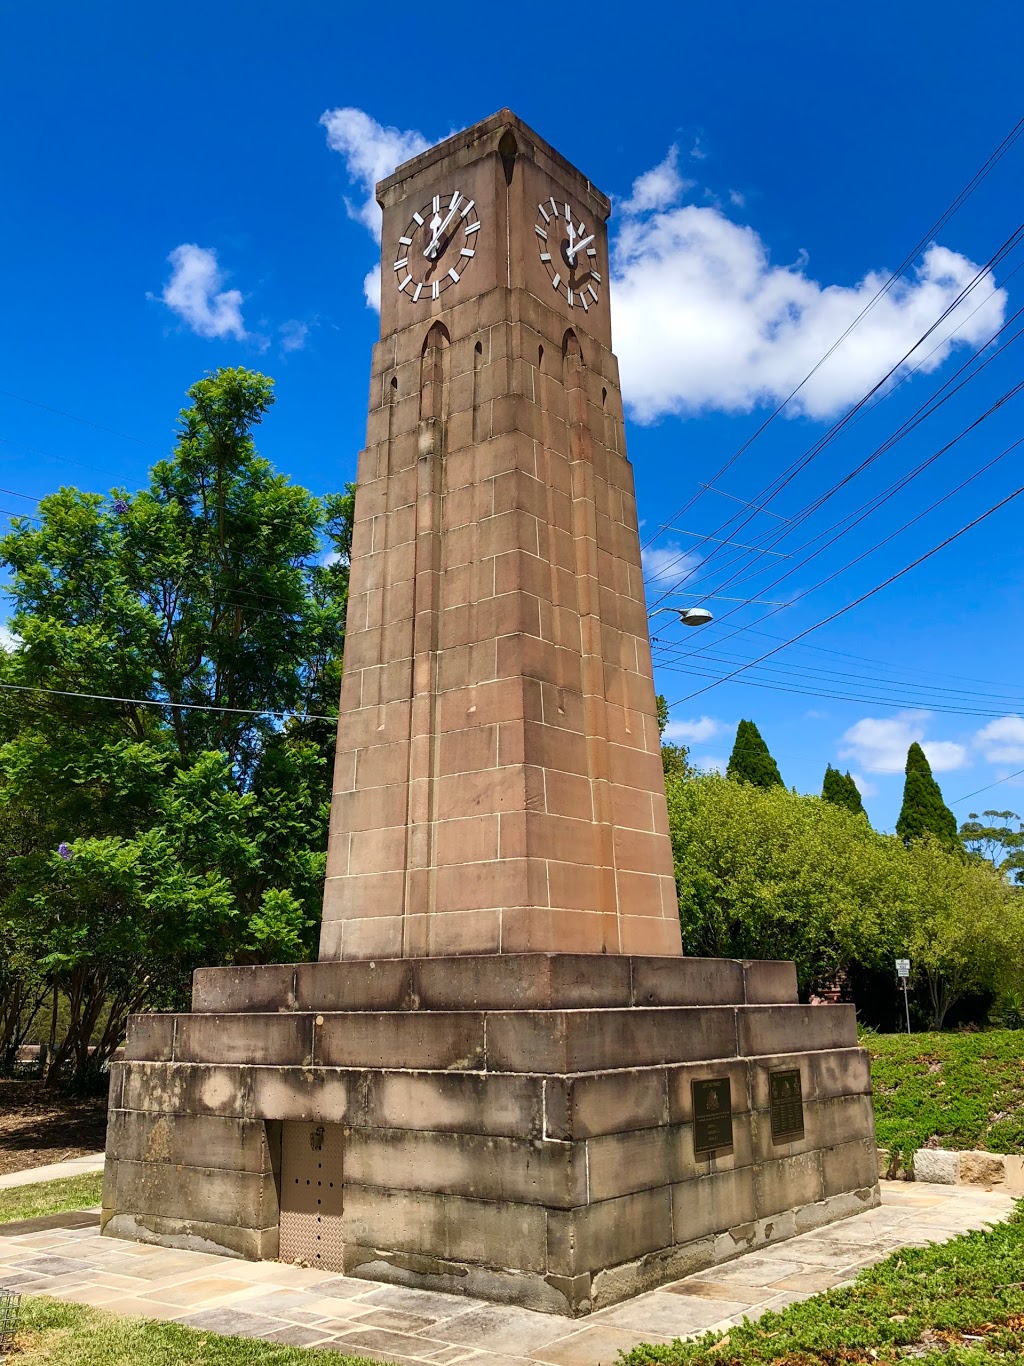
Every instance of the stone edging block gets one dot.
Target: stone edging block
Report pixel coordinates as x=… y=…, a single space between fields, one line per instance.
x=970 y=1168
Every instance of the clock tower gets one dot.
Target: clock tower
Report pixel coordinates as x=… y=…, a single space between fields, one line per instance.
x=502 y=1079
x=499 y=784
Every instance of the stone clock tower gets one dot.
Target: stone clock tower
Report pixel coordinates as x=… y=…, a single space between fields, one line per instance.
x=498 y=785
x=502 y=1079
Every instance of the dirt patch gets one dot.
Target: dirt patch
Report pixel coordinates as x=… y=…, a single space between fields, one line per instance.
x=39 y=1126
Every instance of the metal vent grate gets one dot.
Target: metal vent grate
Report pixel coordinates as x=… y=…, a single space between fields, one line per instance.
x=311 y=1194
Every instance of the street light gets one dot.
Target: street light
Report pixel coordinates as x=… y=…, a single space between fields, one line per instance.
x=688 y=616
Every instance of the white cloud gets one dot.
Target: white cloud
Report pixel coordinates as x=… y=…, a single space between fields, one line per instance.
x=710 y=763
x=695 y=731
x=736 y=199
x=667 y=563
x=880 y=745
x=371 y=151
x=1002 y=740
x=194 y=293
x=703 y=319
x=697 y=152
x=371 y=288
x=294 y=334
x=864 y=787
x=659 y=187
x=8 y=640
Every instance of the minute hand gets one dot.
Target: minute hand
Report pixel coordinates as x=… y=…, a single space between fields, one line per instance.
x=432 y=244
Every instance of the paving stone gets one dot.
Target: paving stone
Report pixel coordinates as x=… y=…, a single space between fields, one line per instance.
x=233 y=1322
x=598 y=1342
x=674 y=1315
x=715 y=1290
x=295 y=1336
x=378 y=1340
x=504 y=1328
x=395 y=1319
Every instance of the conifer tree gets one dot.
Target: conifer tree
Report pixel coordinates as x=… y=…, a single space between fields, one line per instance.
x=841 y=790
x=750 y=761
x=924 y=812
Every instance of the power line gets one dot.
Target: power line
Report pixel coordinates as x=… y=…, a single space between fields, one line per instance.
x=775 y=486
x=968 y=526
x=957 y=800
x=176 y=706
x=907 y=261
x=867 y=508
x=73 y=417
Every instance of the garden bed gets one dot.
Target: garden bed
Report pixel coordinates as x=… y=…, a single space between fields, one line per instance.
x=39 y=1126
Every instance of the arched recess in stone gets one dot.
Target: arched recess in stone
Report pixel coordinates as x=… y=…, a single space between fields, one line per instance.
x=434 y=367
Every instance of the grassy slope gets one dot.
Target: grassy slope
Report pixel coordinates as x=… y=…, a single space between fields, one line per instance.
x=50 y=1197
x=72 y=1335
x=961 y=1090
x=934 y=1298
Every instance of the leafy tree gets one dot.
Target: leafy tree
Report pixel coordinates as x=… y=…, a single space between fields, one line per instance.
x=993 y=837
x=765 y=873
x=841 y=790
x=180 y=816
x=966 y=932
x=750 y=761
x=662 y=702
x=923 y=811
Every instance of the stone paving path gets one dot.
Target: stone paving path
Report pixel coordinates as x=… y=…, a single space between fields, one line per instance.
x=63 y=1256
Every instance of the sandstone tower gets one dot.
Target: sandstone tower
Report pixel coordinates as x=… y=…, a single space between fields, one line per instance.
x=498 y=785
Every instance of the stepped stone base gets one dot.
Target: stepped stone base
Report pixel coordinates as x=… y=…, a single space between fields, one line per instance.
x=515 y=1127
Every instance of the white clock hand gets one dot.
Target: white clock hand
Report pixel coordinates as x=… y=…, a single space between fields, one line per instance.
x=575 y=248
x=439 y=232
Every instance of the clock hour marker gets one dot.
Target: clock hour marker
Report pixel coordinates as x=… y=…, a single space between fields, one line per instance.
x=403 y=262
x=583 y=301
x=568 y=295
x=417 y=219
x=454 y=274
x=472 y=227
x=595 y=276
x=467 y=251
x=405 y=241
x=591 y=251
x=435 y=290
x=556 y=281
x=437 y=203
x=405 y=282
x=417 y=291
x=581 y=231
x=593 y=293
x=540 y=232
x=456 y=200
x=554 y=206
x=467 y=209
x=545 y=256
x=568 y=215
x=544 y=213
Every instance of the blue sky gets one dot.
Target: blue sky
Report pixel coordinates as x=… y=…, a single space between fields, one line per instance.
x=174 y=200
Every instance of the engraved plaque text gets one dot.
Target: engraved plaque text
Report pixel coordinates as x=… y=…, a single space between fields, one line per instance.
x=787 y=1106
x=712 y=1114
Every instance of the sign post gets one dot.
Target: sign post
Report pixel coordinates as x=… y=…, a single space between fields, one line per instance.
x=903 y=973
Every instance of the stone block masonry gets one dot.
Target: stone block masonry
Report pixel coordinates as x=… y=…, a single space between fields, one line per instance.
x=533 y=1145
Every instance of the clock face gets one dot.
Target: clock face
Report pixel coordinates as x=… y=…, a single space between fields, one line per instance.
x=437 y=247
x=568 y=252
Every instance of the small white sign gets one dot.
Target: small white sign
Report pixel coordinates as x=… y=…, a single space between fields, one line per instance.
x=903 y=967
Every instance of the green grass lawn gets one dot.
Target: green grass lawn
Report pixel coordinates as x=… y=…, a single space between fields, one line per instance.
x=962 y=1090
x=50 y=1197
x=72 y=1335
x=960 y=1302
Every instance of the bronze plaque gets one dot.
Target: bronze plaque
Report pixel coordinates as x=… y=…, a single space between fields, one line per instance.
x=712 y=1114
x=787 y=1106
